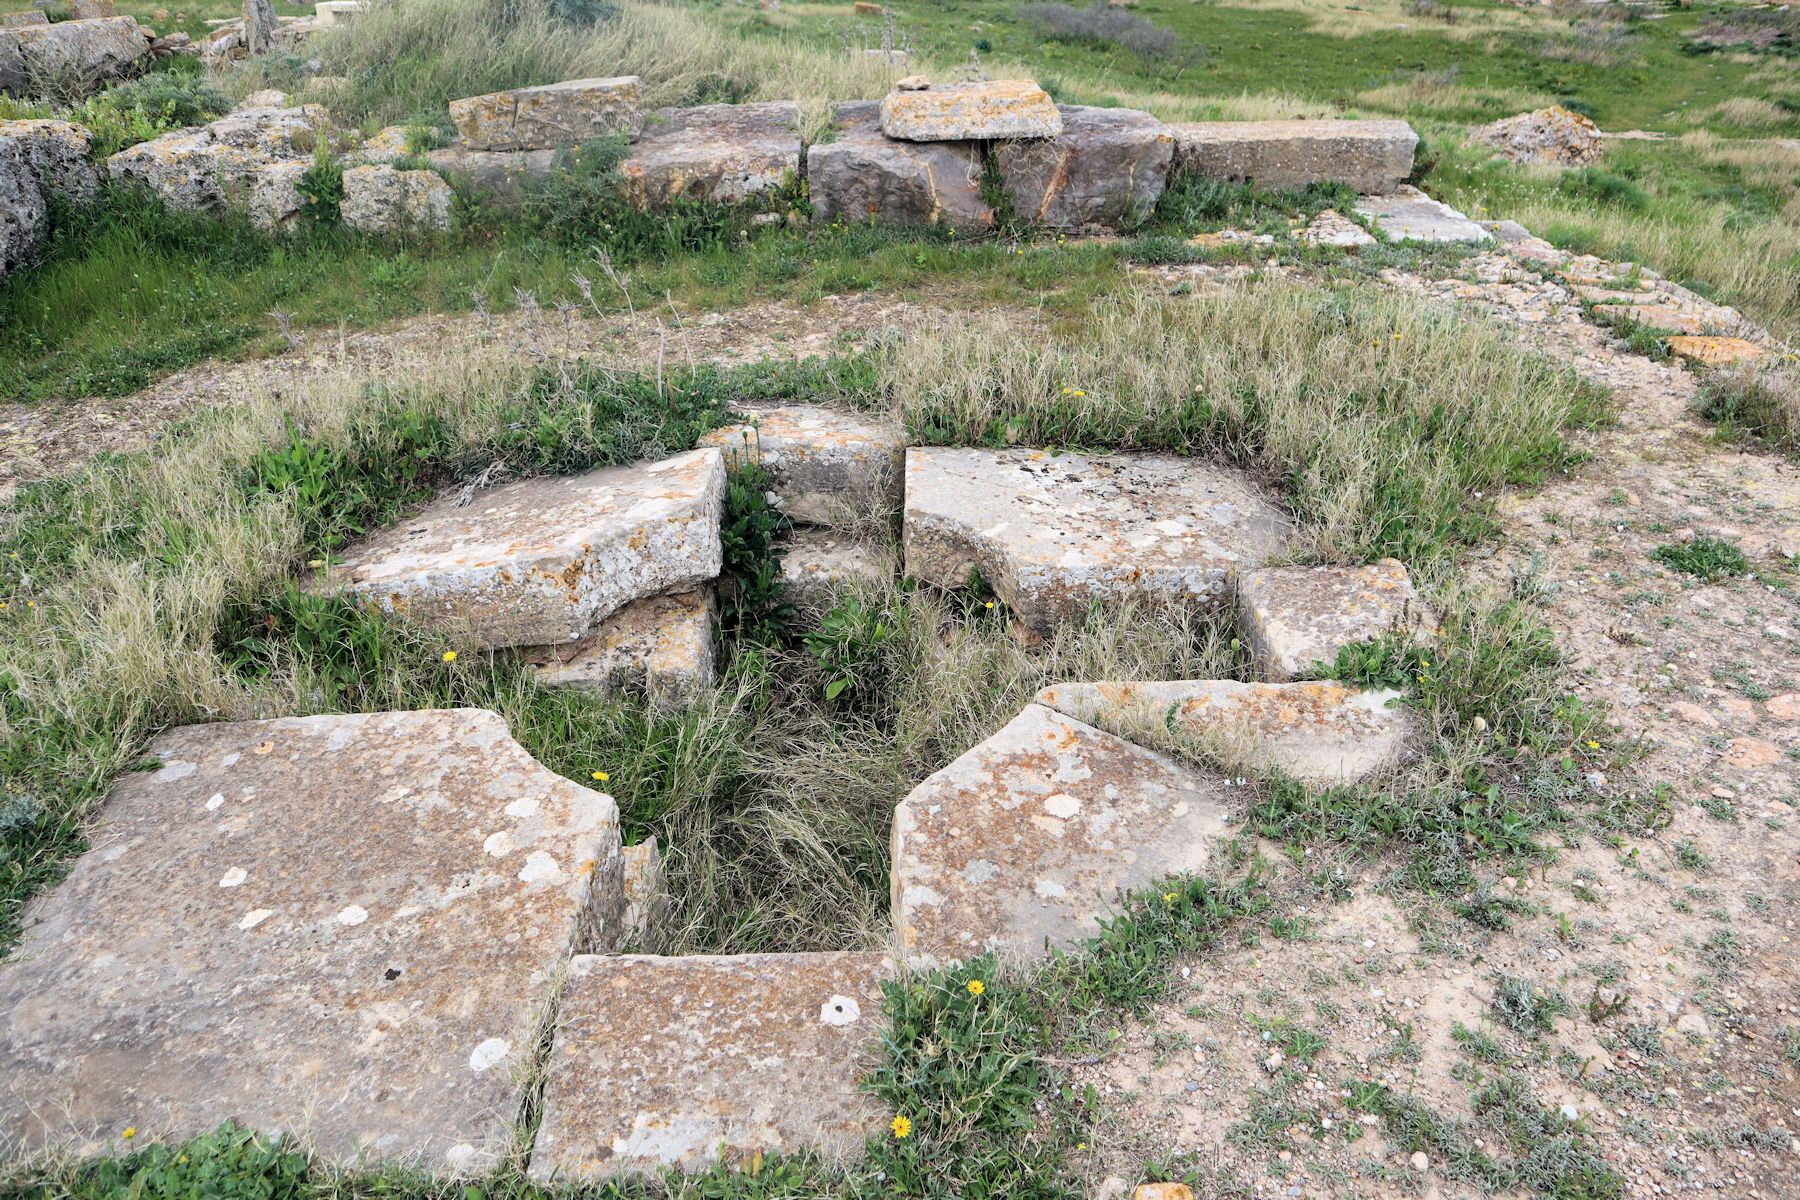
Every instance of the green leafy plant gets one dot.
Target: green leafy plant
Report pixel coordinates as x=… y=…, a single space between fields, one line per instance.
x=848 y=644
x=752 y=590
x=321 y=188
x=1708 y=558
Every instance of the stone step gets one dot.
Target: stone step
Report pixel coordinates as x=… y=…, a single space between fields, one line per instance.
x=681 y=1062
x=344 y=927
x=662 y=645
x=552 y=115
x=1053 y=534
x=1409 y=215
x=544 y=561
x=724 y=153
x=1371 y=156
x=1030 y=837
x=830 y=466
x=1319 y=733
x=819 y=566
x=861 y=175
x=1293 y=619
x=1107 y=167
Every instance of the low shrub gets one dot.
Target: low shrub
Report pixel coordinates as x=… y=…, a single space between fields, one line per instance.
x=1158 y=50
x=1759 y=401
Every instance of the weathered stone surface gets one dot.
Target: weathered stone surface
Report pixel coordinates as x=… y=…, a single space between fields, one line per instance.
x=680 y=1062
x=546 y=560
x=1370 y=156
x=645 y=899
x=205 y=169
x=1332 y=228
x=830 y=466
x=380 y=198
x=819 y=566
x=1055 y=533
x=66 y=57
x=1551 y=136
x=386 y=145
x=57 y=153
x=863 y=175
x=24 y=213
x=1295 y=618
x=1107 y=167
x=339 y=926
x=328 y=13
x=662 y=646
x=1029 y=838
x=90 y=10
x=1409 y=215
x=1321 y=733
x=259 y=26
x=556 y=114
x=18 y=20
x=499 y=175
x=960 y=112
x=274 y=198
x=726 y=153
x=1706 y=351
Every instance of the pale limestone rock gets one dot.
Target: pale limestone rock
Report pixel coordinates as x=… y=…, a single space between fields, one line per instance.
x=1053 y=534
x=92 y=10
x=386 y=145
x=208 y=169
x=1319 y=733
x=681 y=1062
x=264 y=98
x=24 y=211
x=274 y=198
x=1106 y=169
x=863 y=176
x=1332 y=228
x=379 y=198
x=1409 y=215
x=330 y=13
x=662 y=646
x=501 y=176
x=818 y=566
x=1371 y=156
x=57 y=155
x=556 y=114
x=645 y=899
x=1704 y=351
x=343 y=927
x=957 y=112
x=66 y=58
x=725 y=153
x=830 y=466
x=19 y=20
x=1293 y=619
x=1030 y=837
x=1551 y=136
x=546 y=560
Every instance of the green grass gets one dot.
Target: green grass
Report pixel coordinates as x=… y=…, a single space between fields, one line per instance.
x=1707 y=558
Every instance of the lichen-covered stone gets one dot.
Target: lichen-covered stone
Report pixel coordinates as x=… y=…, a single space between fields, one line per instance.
x=207 y=169
x=1370 y=156
x=1030 y=837
x=18 y=20
x=1332 y=228
x=862 y=175
x=959 y=112
x=385 y=145
x=546 y=560
x=24 y=212
x=343 y=927
x=662 y=646
x=90 y=10
x=1320 y=733
x=1551 y=136
x=1715 y=351
x=501 y=176
x=818 y=566
x=682 y=1062
x=58 y=153
x=725 y=153
x=68 y=57
x=1294 y=620
x=381 y=198
x=274 y=198
x=1409 y=215
x=830 y=466
x=1106 y=168
x=1053 y=534
x=556 y=114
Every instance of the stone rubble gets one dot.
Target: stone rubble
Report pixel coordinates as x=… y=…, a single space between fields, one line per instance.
x=661 y=646
x=1551 y=136
x=379 y=198
x=1409 y=215
x=1294 y=620
x=209 y=168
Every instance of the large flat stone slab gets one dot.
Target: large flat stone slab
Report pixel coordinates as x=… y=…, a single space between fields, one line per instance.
x=555 y=114
x=1053 y=534
x=1294 y=620
x=662 y=646
x=724 y=153
x=344 y=927
x=546 y=560
x=1370 y=156
x=1106 y=169
x=830 y=466
x=1715 y=351
x=1409 y=215
x=681 y=1062
x=960 y=112
x=863 y=176
x=1028 y=838
x=1320 y=733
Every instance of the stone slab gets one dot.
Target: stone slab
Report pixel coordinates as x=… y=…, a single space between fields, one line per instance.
x=1106 y=169
x=330 y=13
x=819 y=566
x=1715 y=351
x=1371 y=156
x=555 y=114
x=661 y=646
x=1319 y=733
x=1029 y=838
x=18 y=20
x=724 y=153
x=207 y=169
x=830 y=466
x=1053 y=534
x=343 y=927
x=546 y=560
x=959 y=112
x=1409 y=215
x=1294 y=618
x=682 y=1062
x=861 y=175
x=380 y=198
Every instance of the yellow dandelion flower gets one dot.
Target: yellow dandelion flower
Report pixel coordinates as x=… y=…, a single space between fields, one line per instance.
x=1168 y=897
x=130 y=1132
x=976 y=987
x=315 y=562
x=989 y=604
x=1593 y=745
x=601 y=776
x=902 y=1126
x=449 y=656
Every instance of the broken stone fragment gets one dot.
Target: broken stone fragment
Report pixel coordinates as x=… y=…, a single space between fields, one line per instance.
x=330 y=13
x=1409 y=215
x=380 y=198
x=1372 y=157
x=18 y=20
x=1319 y=733
x=546 y=560
x=819 y=566
x=274 y=199
x=830 y=466
x=1053 y=534
x=1106 y=169
x=341 y=926
x=645 y=899
x=63 y=59
x=661 y=646
x=723 y=153
x=206 y=169
x=959 y=112
x=1294 y=620
x=1332 y=228
x=864 y=176
x=1029 y=838
x=683 y=1062
x=501 y=176
x=1707 y=351
x=556 y=114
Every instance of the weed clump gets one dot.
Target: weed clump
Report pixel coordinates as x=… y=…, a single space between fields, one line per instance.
x=1707 y=558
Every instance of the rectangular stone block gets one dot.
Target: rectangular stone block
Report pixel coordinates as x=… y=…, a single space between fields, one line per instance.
x=830 y=466
x=1106 y=169
x=957 y=112
x=662 y=646
x=556 y=114
x=1371 y=156
x=1409 y=215
x=328 y=13
x=346 y=928
x=724 y=153
x=1294 y=620
x=863 y=176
